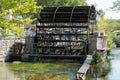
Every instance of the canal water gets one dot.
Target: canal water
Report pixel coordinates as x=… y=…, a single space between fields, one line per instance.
x=38 y=71
x=110 y=70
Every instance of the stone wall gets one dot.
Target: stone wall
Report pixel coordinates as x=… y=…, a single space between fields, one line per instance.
x=97 y=43
x=5 y=46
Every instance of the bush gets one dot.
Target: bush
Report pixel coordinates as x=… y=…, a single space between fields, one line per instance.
x=97 y=57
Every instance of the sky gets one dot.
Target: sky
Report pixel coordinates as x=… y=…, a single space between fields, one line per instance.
x=105 y=5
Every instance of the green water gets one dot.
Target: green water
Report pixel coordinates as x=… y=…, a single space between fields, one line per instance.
x=38 y=71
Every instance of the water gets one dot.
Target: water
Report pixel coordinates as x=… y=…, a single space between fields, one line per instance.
x=38 y=71
x=110 y=70
x=115 y=73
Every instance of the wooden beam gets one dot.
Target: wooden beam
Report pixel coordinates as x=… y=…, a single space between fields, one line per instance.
x=84 y=68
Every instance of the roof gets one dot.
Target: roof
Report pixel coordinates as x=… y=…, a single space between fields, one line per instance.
x=32 y=26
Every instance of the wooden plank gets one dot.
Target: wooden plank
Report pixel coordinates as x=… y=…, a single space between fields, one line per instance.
x=86 y=65
x=84 y=68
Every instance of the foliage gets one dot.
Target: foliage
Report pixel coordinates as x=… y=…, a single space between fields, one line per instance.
x=101 y=13
x=22 y=12
x=116 y=5
x=111 y=25
x=97 y=57
x=117 y=41
x=108 y=26
x=26 y=9
x=61 y=2
x=101 y=69
x=97 y=70
x=117 y=24
x=116 y=38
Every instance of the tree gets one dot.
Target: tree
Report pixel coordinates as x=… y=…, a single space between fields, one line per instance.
x=61 y=2
x=108 y=26
x=71 y=2
x=116 y=24
x=116 y=5
x=101 y=13
x=22 y=11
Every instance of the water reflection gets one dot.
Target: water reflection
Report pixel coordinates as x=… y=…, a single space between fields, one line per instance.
x=115 y=72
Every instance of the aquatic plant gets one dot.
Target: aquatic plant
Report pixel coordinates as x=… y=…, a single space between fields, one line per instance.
x=45 y=68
